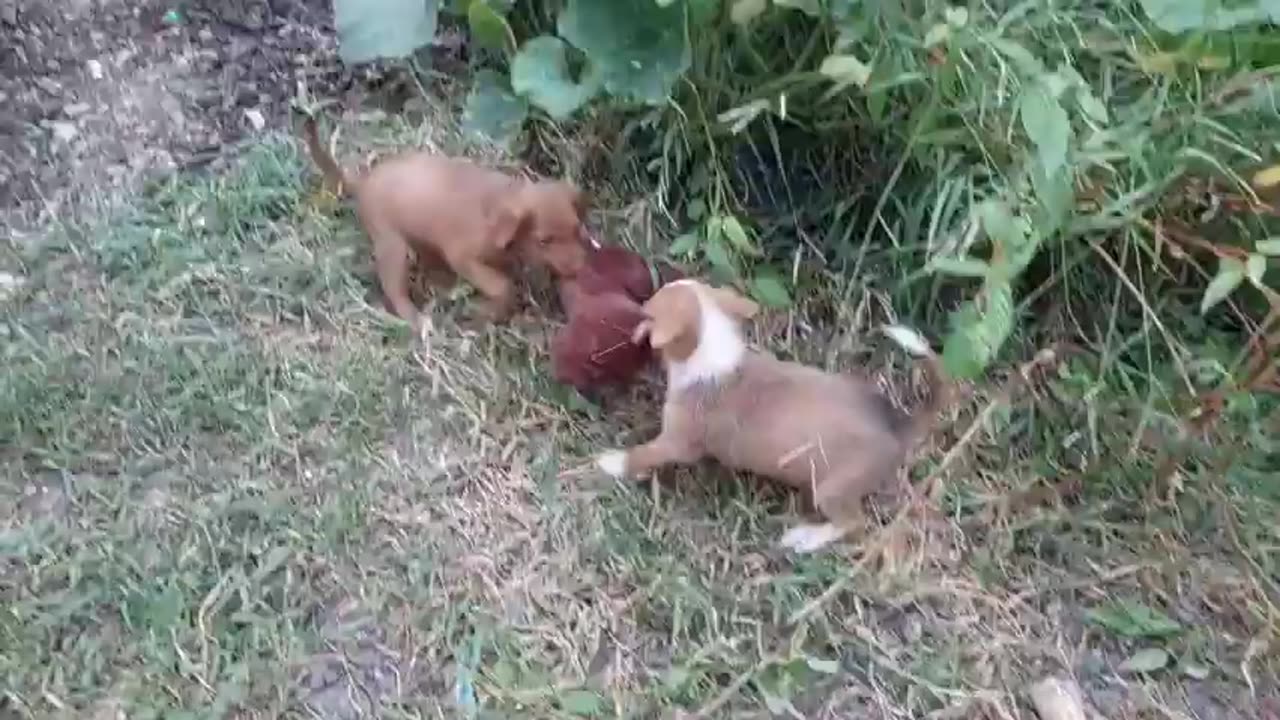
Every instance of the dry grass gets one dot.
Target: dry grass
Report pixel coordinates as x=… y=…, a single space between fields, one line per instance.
x=234 y=488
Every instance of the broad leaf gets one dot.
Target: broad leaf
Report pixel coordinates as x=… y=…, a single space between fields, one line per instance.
x=639 y=47
x=770 y=291
x=540 y=72
x=1133 y=619
x=737 y=235
x=684 y=245
x=827 y=667
x=718 y=256
x=1267 y=177
x=846 y=70
x=1255 y=267
x=979 y=329
x=744 y=11
x=1231 y=273
x=960 y=267
x=1179 y=16
x=1047 y=125
x=1145 y=661
x=489 y=29
x=492 y=111
x=812 y=8
x=581 y=702
x=372 y=29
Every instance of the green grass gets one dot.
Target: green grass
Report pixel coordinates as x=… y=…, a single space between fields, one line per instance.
x=234 y=488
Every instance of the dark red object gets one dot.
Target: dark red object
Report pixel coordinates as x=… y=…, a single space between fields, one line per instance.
x=594 y=349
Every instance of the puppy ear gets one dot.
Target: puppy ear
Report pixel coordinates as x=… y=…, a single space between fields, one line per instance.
x=510 y=220
x=581 y=202
x=642 y=331
x=671 y=316
x=731 y=302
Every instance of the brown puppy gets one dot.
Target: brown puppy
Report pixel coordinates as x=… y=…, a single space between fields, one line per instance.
x=451 y=211
x=833 y=435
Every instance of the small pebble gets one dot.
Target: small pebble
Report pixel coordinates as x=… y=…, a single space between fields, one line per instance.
x=64 y=131
x=95 y=69
x=254 y=116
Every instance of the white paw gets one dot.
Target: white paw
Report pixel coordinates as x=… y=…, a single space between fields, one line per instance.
x=807 y=538
x=613 y=463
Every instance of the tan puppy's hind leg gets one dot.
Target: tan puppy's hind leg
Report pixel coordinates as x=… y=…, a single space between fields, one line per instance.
x=391 y=257
x=839 y=499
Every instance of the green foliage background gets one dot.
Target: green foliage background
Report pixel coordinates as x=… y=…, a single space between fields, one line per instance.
x=994 y=149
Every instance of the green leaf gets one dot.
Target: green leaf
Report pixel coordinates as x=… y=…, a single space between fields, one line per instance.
x=812 y=8
x=1179 y=16
x=826 y=667
x=540 y=72
x=744 y=11
x=640 y=49
x=846 y=70
x=960 y=266
x=737 y=235
x=684 y=245
x=490 y=29
x=1146 y=660
x=1133 y=619
x=1270 y=246
x=372 y=29
x=1230 y=274
x=1055 y=193
x=1047 y=125
x=978 y=330
x=581 y=702
x=770 y=292
x=718 y=256
x=1092 y=106
x=1255 y=267
x=492 y=111
x=1027 y=65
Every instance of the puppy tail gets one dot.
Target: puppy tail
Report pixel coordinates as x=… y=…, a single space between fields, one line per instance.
x=324 y=159
x=940 y=389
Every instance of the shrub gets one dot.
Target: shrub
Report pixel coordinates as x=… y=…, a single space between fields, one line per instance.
x=1005 y=142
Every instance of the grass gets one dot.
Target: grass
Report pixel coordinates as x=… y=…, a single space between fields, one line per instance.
x=234 y=488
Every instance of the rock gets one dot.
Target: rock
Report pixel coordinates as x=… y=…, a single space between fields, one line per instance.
x=255 y=118
x=10 y=284
x=76 y=109
x=64 y=131
x=1057 y=699
x=94 y=68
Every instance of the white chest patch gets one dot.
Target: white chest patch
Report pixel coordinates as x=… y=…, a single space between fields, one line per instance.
x=719 y=351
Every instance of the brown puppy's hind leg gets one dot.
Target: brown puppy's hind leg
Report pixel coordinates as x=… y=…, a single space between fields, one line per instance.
x=391 y=257
x=496 y=287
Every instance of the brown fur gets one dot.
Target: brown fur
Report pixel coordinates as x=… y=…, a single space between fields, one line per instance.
x=595 y=348
x=452 y=212
x=833 y=435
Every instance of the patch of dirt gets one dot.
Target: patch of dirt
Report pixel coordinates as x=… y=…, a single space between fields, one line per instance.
x=96 y=96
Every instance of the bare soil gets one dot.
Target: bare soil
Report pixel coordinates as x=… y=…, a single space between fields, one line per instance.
x=97 y=96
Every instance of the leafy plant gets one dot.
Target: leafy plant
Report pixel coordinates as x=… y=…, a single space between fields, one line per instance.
x=372 y=29
x=1022 y=145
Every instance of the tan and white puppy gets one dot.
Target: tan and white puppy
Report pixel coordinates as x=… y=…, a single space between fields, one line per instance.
x=835 y=436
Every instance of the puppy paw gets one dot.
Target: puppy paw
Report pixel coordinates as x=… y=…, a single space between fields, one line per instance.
x=808 y=538
x=613 y=463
